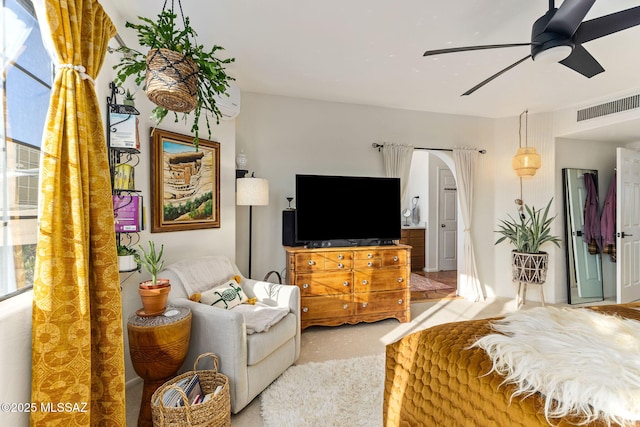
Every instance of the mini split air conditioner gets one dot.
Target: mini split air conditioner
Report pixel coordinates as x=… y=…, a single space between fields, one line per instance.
x=229 y=105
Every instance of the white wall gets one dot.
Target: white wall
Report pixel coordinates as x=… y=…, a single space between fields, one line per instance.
x=284 y=136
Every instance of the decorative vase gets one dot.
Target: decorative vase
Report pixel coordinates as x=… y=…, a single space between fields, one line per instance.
x=529 y=268
x=154 y=298
x=127 y=263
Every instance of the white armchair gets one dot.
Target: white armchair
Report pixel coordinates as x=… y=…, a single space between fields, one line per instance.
x=253 y=361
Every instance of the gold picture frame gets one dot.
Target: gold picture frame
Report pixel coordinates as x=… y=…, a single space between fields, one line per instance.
x=185 y=183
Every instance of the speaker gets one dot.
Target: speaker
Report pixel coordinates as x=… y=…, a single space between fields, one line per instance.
x=289 y=228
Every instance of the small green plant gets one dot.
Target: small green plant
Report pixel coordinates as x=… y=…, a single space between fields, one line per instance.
x=530 y=231
x=128 y=96
x=126 y=250
x=152 y=260
x=165 y=33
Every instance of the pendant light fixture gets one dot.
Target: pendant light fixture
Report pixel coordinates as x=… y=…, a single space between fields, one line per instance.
x=527 y=161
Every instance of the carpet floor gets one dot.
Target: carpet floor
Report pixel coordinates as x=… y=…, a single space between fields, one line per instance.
x=347 y=392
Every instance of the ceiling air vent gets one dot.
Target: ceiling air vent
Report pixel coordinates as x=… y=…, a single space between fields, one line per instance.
x=611 y=107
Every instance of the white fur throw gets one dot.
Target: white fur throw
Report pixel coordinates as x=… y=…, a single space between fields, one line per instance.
x=584 y=363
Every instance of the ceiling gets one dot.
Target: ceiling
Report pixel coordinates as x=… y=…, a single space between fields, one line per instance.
x=370 y=52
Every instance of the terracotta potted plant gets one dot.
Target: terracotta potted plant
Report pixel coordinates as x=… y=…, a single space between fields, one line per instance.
x=527 y=234
x=153 y=293
x=179 y=75
x=128 y=259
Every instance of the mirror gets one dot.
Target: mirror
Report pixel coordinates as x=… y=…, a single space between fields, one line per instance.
x=584 y=262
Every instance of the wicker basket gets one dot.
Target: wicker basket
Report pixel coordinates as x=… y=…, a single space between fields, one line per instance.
x=171 y=80
x=212 y=413
x=529 y=268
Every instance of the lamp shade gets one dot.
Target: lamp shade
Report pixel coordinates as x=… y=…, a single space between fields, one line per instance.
x=526 y=162
x=252 y=192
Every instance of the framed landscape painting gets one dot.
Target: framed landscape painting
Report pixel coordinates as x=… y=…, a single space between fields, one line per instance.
x=185 y=183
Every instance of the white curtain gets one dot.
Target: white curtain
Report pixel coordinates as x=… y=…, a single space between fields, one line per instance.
x=397 y=164
x=468 y=283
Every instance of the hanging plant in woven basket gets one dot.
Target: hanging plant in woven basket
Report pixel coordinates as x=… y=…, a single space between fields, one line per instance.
x=179 y=75
x=171 y=80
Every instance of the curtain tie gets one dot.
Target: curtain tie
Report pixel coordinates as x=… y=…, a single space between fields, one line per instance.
x=81 y=70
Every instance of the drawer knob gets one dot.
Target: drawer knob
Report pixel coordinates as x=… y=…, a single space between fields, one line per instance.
x=345 y=283
x=311 y=262
x=345 y=306
x=369 y=255
x=340 y=256
x=395 y=258
x=305 y=286
x=305 y=309
x=400 y=280
x=340 y=265
x=364 y=304
x=365 y=282
x=370 y=264
x=400 y=301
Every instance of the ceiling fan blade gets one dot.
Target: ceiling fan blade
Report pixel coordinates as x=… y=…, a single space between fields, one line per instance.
x=608 y=24
x=569 y=16
x=499 y=73
x=581 y=61
x=469 y=48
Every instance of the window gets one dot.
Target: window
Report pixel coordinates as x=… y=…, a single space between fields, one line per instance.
x=27 y=74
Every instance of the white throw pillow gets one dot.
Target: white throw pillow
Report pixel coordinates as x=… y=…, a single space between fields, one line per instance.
x=226 y=296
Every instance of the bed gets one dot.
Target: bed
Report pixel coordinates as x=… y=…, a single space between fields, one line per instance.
x=433 y=379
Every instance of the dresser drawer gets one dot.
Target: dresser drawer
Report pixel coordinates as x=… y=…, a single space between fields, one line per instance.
x=363 y=264
x=379 y=302
x=329 y=306
x=379 y=280
x=383 y=257
x=338 y=260
x=309 y=262
x=324 y=283
x=393 y=258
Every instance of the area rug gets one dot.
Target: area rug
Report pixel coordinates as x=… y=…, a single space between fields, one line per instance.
x=344 y=392
x=423 y=284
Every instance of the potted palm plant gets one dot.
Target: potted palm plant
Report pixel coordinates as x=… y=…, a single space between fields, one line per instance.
x=128 y=259
x=153 y=293
x=528 y=234
x=179 y=75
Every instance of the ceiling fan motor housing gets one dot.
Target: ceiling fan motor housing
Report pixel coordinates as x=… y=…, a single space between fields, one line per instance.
x=542 y=40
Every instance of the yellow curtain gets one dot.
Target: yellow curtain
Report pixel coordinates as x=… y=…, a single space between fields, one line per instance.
x=78 y=350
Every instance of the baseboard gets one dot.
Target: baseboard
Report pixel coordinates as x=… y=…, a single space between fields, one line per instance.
x=133 y=382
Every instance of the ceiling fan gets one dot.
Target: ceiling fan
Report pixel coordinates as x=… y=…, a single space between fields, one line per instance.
x=558 y=37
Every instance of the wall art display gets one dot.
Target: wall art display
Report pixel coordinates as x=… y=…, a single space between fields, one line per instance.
x=185 y=183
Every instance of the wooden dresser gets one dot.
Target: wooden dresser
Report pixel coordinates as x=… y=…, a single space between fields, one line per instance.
x=352 y=284
x=415 y=237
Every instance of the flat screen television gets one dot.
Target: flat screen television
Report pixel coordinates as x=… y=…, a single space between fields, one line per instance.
x=347 y=210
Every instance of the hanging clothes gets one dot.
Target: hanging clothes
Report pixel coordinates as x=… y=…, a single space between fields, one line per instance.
x=608 y=220
x=592 y=235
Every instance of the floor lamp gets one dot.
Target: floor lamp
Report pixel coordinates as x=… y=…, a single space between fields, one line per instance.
x=252 y=192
